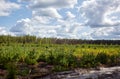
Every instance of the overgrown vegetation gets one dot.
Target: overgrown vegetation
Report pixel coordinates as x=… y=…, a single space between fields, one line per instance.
x=61 y=56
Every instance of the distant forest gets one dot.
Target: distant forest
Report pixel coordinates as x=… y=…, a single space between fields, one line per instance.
x=33 y=39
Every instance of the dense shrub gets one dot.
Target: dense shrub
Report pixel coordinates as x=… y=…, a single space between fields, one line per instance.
x=88 y=60
x=102 y=58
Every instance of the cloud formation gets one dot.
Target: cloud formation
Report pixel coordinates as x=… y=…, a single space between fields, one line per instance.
x=34 y=4
x=80 y=19
x=102 y=16
x=5 y=31
x=6 y=7
x=106 y=33
x=100 y=13
x=46 y=20
x=50 y=12
x=34 y=26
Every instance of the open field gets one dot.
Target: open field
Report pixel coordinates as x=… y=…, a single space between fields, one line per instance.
x=24 y=59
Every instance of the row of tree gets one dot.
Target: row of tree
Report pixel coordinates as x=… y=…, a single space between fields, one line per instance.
x=34 y=39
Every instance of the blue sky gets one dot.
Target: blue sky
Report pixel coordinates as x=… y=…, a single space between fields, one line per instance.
x=78 y=19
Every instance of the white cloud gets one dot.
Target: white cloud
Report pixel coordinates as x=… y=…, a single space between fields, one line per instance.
x=98 y=13
x=103 y=14
x=50 y=8
x=55 y=18
x=106 y=33
x=46 y=20
x=51 y=3
x=22 y=27
x=69 y=25
x=33 y=26
x=70 y=15
x=41 y=19
x=50 y=12
x=86 y=35
x=6 y=7
x=5 y=31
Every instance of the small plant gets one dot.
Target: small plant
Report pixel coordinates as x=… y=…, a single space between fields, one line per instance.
x=88 y=61
x=58 y=68
x=24 y=72
x=50 y=58
x=12 y=70
x=103 y=58
x=32 y=57
x=30 y=61
x=114 y=60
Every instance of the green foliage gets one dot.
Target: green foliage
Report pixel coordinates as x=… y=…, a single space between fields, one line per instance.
x=88 y=60
x=32 y=57
x=32 y=50
x=63 y=55
x=114 y=60
x=23 y=72
x=58 y=68
x=103 y=58
x=12 y=70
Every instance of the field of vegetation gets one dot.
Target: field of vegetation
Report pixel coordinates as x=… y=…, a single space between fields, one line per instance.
x=61 y=56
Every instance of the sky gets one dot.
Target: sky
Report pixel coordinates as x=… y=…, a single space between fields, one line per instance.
x=72 y=19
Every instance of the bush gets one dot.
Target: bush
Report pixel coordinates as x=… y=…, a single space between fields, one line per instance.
x=12 y=70
x=102 y=58
x=32 y=57
x=114 y=60
x=58 y=68
x=30 y=61
x=87 y=61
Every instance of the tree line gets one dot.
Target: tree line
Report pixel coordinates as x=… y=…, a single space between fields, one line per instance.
x=33 y=39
